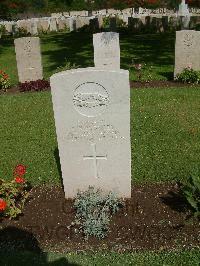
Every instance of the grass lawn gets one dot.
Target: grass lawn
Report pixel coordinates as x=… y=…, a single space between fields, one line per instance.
x=180 y=258
x=154 y=50
x=165 y=135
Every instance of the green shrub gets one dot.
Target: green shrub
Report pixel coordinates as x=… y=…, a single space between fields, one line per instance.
x=22 y=32
x=191 y=192
x=67 y=66
x=106 y=22
x=189 y=76
x=94 y=210
x=2 y=30
x=120 y=22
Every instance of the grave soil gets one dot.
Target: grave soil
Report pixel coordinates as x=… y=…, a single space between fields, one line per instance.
x=155 y=218
x=133 y=85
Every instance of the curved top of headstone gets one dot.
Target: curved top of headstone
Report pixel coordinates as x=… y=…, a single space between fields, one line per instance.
x=89 y=69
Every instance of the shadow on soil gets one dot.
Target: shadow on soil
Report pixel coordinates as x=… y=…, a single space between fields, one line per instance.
x=19 y=247
x=176 y=201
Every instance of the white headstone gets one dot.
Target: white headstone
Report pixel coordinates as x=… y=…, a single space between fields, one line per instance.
x=56 y=15
x=28 y=55
x=187 y=50
x=62 y=23
x=82 y=13
x=183 y=9
x=92 y=117
x=106 y=50
x=53 y=24
x=72 y=24
x=127 y=12
x=34 y=27
x=43 y=25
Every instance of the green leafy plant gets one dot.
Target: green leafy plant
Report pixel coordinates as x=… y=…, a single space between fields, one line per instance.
x=106 y=22
x=4 y=81
x=94 y=210
x=189 y=75
x=143 y=71
x=191 y=192
x=2 y=30
x=67 y=66
x=21 y=32
x=13 y=194
x=120 y=23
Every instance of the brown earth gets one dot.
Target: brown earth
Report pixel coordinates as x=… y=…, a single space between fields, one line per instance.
x=155 y=218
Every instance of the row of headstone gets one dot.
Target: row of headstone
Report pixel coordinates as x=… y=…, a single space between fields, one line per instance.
x=163 y=24
x=35 y=26
x=29 y=62
x=106 y=53
x=128 y=11
x=136 y=24
x=102 y=12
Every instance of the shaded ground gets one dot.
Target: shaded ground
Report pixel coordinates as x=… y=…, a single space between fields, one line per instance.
x=155 y=218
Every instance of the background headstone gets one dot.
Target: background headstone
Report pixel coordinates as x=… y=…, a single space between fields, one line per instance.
x=53 y=24
x=187 y=50
x=92 y=117
x=106 y=50
x=28 y=55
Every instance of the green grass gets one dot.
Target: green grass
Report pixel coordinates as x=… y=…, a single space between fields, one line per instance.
x=165 y=135
x=154 y=50
x=187 y=258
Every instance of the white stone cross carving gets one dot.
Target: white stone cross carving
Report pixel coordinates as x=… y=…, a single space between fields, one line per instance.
x=95 y=159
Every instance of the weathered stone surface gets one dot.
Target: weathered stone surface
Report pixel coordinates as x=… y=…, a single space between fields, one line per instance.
x=56 y=15
x=92 y=117
x=34 y=27
x=128 y=11
x=43 y=25
x=28 y=55
x=61 y=22
x=53 y=24
x=81 y=22
x=106 y=50
x=83 y=13
x=187 y=50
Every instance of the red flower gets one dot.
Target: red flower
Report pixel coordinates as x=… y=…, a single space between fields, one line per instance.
x=2 y=205
x=19 y=180
x=20 y=170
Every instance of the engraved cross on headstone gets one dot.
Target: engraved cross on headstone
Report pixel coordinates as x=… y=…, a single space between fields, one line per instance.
x=95 y=159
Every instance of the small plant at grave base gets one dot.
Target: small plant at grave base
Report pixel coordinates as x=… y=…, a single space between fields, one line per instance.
x=94 y=210
x=189 y=75
x=67 y=66
x=21 y=32
x=106 y=22
x=120 y=23
x=143 y=72
x=14 y=193
x=2 y=30
x=191 y=192
x=37 y=85
x=4 y=81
